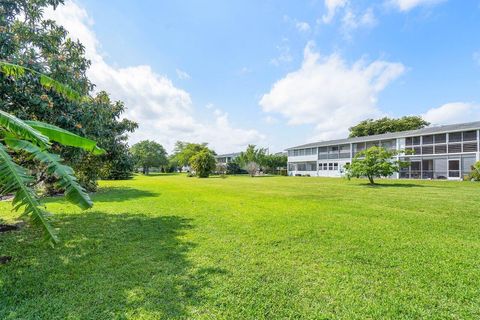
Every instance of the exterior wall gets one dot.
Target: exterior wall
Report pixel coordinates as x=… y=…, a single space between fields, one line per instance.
x=434 y=159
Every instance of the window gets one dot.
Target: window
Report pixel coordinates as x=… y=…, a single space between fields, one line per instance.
x=440 y=138
x=427 y=149
x=330 y=166
x=454 y=148
x=427 y=139
x=455 y=137
x=291 y=167
x=333 y=152
x=344 y=151
x=417 y=150
x=290 y=153
x=470 y=136
x=372 y=144
x=325 y=166
x=322 y=149
x=412 y=141
x=388 y=144
x=335 y=166
x=320 y=167
x=470 y=147
x=301 y=167
x=440 y=148
x=311 y=166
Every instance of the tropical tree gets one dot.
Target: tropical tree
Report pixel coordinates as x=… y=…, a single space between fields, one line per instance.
x=274 y=162
x=233 y=167
x=374 y=162
x=36 y=139
x=184 y=151
x=148 y=154
x=252 y=158
x=384 y=125
x=203 y=163
x=41 y=45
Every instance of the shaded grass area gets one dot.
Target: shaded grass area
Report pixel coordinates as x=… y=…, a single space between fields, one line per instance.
x=285 y=247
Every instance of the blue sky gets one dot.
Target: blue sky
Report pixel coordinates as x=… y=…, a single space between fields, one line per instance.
x=279 y=73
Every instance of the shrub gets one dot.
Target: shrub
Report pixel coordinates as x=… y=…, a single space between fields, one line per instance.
x=203 y=163
x=475 y=174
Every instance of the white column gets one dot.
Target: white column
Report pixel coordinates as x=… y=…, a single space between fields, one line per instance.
x=478 y=145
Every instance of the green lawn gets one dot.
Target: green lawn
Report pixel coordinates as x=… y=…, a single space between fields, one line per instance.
x=273 y=247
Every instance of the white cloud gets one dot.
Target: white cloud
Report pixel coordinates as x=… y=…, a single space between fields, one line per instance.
x=182 y=75
x=407 y=5
x=270 y=120
x=284 y=54
x=453 y=112
x=332 y=6
x=163 y=111
x=329 y=93
x=302 y=26
x=351 y=20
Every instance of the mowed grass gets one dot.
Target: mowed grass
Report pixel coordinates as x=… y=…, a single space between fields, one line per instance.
x=168 y=246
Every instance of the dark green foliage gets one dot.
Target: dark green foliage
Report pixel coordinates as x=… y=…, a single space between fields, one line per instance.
x=184 y=151
x=148 y=154
x=234 y=168
x=203 y=163
x=384 y=125
x=43 y=77
x=375 y=162
x=274 y=163
x=475 y=174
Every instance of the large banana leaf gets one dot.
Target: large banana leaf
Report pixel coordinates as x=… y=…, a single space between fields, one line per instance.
x=74 y=192
x=21 y=129
x=65 y=137
x=14 y=179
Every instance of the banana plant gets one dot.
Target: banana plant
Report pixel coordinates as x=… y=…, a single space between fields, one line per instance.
x=35 y=139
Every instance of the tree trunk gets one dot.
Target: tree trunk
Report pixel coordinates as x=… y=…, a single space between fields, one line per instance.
x=370 y=178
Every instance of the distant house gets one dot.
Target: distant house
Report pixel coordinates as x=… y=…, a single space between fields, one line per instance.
x=440 y=152
x=226 y=158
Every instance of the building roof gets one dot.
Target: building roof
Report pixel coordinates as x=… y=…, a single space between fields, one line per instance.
x=392 y=135
x=228 y=155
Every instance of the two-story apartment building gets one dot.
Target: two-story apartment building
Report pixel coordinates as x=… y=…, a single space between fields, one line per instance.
x=226 y=158
x=439 y=152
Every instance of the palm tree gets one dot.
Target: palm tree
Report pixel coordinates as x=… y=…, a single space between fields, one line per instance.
x=35 y=139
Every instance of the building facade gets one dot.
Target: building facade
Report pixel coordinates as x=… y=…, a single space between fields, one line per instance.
x=440 y=152
x=226 y=158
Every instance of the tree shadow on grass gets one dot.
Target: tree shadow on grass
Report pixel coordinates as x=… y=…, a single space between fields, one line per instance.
x=160 y=174
x=393 y=185
x=107 y=266
x=118 y=194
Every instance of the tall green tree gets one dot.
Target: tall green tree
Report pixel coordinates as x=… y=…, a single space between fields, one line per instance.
x=30 y=41
x=274 y=162
x=252 y=159
x=184 y=151
x=148 y=154
x=203 y=163
x=375 y=162
x=384 y=125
